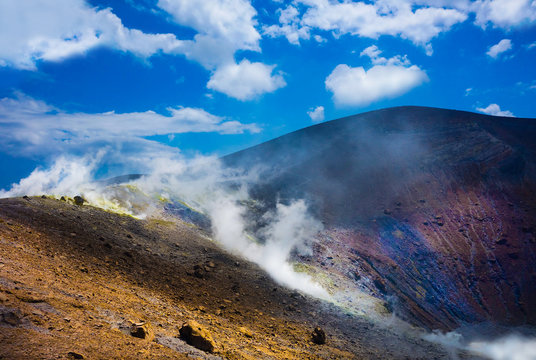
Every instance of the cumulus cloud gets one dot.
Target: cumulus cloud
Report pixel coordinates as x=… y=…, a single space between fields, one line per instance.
x=33 y=124
x=419 y=21
x=371 y=20
x=505 y=13
x=245 y=80
x=495 y=110
x=355 y=86
x=316 y=114
x=223 y=27
x=499 y=48
x=289 y=27
x=54 y=30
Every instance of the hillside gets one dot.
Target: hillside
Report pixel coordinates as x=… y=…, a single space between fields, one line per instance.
x=73 y=279
x=377 y=228
x=433 y=209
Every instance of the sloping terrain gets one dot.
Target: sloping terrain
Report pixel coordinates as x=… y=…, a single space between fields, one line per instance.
x=73 y=279
x=433 y=210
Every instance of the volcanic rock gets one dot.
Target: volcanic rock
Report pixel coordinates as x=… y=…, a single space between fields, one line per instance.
x=141 y=330
x=74 y=355
x=11 y=317
x=194 y=334
x=78 y=200
x=245 y=331
x=318 y=336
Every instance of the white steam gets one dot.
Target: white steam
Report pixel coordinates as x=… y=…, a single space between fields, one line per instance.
x=510 y=347
x=205 y=186
x=64 y=177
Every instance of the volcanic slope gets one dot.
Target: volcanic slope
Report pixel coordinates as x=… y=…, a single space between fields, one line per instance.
x=73 y=280
x=433 y=210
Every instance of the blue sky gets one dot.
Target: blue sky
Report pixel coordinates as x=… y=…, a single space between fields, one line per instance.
x=148 y=77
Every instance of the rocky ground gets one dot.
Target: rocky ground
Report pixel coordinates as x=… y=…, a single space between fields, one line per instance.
x=78 y=282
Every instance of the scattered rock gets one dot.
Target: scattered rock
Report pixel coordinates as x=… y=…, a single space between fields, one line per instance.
x=318 y=336
x=78 y=200
x=74 y=355
x=194 y=334
x=141 y=330
x=12 y=317
x=26 y=197
x=245 y=331
x=43 y=196
x=199 y=271
x=63 y=198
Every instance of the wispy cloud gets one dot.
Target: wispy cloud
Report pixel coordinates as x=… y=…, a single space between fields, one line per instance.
x=28 y=123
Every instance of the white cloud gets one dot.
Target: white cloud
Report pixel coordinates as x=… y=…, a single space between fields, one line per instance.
x=419 y=21
x=290 y=26
x=505 y=13
x=316 y=114
x=374 y=54
x=223 y=26
x=319 y=39
x=495 y=110
x=54 y=30
x=388 y=78
x=246 y=80
x=499 y=48
x=395 y=18
x=27 y=123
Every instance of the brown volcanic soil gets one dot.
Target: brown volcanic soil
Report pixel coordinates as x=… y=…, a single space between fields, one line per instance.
x=71 y=277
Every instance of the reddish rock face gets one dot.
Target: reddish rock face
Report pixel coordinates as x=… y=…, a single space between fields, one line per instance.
x=433 y=209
